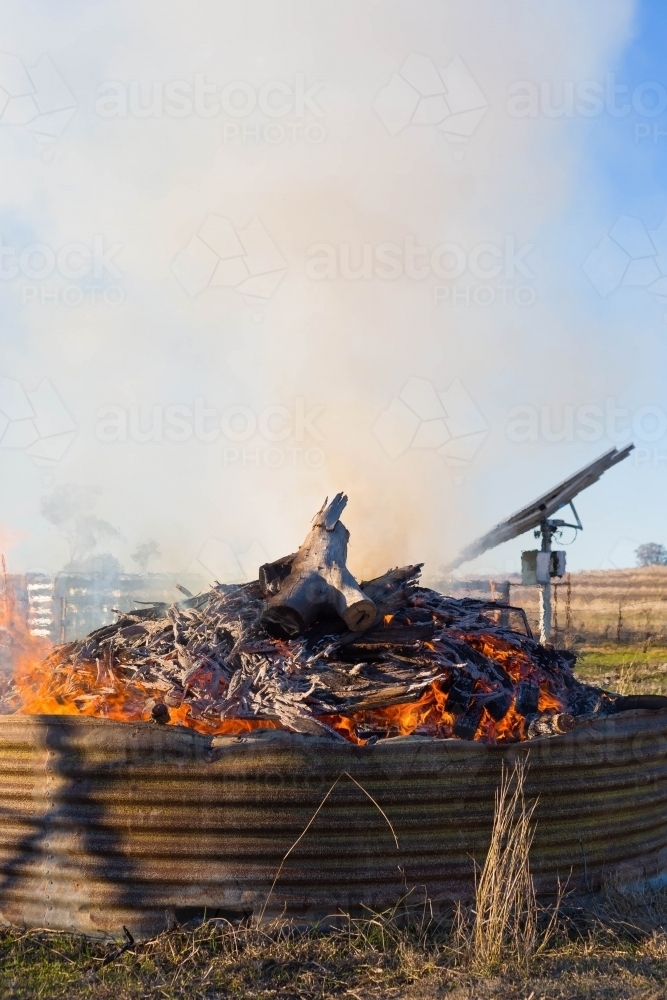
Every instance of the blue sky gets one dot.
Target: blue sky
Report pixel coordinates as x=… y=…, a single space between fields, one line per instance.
x=620 y=170
x=636 y=172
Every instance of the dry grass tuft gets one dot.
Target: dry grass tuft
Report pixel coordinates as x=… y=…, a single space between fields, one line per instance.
x=502 y=929
x=505 y=905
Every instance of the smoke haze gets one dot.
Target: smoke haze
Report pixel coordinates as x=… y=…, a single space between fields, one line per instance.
x=225 y=374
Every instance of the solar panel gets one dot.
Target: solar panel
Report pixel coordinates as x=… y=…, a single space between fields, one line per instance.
x=542 y=508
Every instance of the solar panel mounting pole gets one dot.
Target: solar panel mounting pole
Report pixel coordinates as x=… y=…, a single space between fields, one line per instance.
x=545 y=590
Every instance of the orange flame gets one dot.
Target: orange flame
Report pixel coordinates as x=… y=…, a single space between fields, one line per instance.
x=98 y=689
x=427 y=715
x=46 y=685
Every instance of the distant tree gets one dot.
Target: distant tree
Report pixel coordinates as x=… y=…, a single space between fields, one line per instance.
x=651 y=554
x=144 y=553
x=70 y=508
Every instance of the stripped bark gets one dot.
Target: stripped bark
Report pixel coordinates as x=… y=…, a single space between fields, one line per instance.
x=315 y=582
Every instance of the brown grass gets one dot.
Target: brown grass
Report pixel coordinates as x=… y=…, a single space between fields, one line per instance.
x=503 y=929
x=625 y=605
x=615 y=949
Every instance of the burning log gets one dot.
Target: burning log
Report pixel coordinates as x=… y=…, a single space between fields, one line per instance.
x=460 y=694
x=499 y=706
x=318 y=582
x=467 y=724
x=550 y=724
x=527 y=698
x=160 y=713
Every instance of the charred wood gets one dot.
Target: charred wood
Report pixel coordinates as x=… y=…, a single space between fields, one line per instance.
x=160 y=713
x=550 y=724
x=318 y=581
x=460 y=694
x=466 y=725
x=273 y=575
x=211 y=656
x=499 y=706
x=527 y=698
x=391 y=587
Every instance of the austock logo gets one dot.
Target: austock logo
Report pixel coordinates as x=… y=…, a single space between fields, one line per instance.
x=91 y=270
x=220 y=256
x=588 y=422
x=418 y=94
x=36 y=422
x=179 y=423
x=622 y=554
x=276 y=111
x=422 y=418
x=590 y=99
x=36 y=98
x=629 y=255
x=496 y=268
x=181 y=98
x=271 y=438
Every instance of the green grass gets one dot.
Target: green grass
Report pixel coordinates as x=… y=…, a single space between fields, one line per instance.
x=640 y=669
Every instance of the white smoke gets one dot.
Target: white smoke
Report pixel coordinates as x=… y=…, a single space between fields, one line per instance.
x=300 y=369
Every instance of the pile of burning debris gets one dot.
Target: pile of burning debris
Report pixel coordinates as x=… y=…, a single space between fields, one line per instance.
x=306 y=648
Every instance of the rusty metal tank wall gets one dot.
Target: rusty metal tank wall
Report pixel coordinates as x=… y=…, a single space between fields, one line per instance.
x=105 y=823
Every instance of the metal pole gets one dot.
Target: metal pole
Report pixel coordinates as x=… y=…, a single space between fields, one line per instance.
x=545 y=590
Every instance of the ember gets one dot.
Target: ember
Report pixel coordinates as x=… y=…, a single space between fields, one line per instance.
x=306 y=648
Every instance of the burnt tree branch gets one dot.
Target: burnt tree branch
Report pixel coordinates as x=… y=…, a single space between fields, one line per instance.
x=315 y=581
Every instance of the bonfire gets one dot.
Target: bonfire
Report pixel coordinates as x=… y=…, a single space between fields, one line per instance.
x=308 y=649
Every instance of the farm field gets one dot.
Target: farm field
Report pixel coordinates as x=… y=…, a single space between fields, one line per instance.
x=625 y=669
x=616 y=623
x=617 y=606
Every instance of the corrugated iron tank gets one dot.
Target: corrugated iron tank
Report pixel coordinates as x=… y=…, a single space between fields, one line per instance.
x=107 y=823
